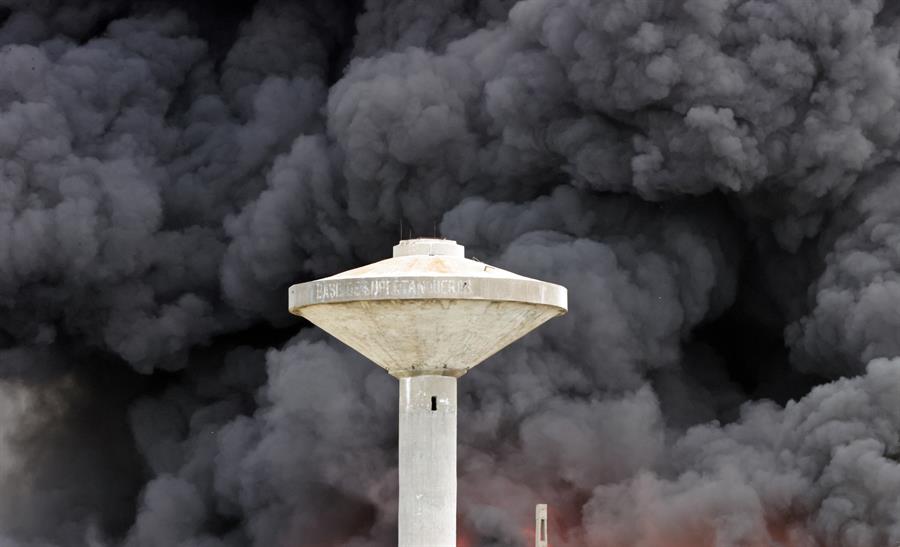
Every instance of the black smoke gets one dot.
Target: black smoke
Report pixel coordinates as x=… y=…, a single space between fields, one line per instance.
x=717 y=182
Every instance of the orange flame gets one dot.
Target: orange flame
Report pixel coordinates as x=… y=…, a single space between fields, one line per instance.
x=463 y=536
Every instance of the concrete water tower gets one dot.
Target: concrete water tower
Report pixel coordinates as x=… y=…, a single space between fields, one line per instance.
x=427 y=316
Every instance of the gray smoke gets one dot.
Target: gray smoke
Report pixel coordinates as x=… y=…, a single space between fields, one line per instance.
x=715 y=181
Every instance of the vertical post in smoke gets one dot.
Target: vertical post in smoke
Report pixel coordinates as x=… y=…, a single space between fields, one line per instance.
x=540 y=526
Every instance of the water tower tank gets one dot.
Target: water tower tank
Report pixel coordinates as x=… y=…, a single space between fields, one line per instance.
x=427 y=315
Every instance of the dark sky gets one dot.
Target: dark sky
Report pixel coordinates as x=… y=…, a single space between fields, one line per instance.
x=715 y=181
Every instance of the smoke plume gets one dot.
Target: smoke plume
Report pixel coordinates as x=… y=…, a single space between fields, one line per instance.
x=717 y=183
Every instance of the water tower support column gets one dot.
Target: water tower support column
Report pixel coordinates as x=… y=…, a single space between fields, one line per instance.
x=427 y=461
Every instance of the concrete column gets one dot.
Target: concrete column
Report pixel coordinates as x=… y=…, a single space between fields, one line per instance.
x=427 y=463
x=541 y=533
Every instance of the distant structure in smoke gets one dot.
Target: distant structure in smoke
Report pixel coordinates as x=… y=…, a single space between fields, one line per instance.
x=541 y=527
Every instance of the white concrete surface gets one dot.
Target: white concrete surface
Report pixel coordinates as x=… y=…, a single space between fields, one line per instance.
x=427 y=462
x=429 y=246
x=428 y=314
x=444 y=337
x=541 y=529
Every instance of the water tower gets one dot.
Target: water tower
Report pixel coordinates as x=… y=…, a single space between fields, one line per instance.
x=427 y=315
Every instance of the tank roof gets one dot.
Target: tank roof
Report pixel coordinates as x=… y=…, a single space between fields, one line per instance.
x=426 y=276
x=429 y=246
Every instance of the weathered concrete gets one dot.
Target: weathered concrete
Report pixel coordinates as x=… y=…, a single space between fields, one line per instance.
x=541 y=530
x=429 y=247
x=427 y=462
x=427 y=316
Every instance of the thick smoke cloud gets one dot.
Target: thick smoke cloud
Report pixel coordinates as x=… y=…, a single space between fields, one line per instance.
x=715 y=181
